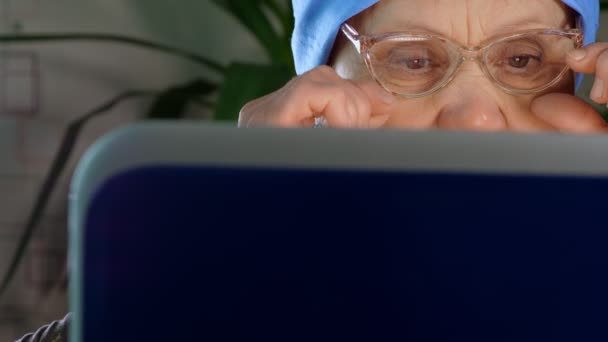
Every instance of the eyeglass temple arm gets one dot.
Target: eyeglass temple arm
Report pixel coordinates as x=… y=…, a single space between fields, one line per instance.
x=580 y=37
x=352 y=35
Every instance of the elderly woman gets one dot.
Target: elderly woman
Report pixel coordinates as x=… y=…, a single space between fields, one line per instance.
x=453 y=64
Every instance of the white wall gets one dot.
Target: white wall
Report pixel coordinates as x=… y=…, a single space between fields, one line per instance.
x=71 y=79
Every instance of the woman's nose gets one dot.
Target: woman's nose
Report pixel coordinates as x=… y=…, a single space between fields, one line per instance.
x=469 y=102
x=472 y=113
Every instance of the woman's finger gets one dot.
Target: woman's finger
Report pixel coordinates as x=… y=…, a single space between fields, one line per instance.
x=593 y=59
x=377 y=104
x=328 y=100
x=320 y=92
x=585 y=59
x=567 y=113
x=247 y=115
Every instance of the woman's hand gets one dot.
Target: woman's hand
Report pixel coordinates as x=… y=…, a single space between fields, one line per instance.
x=593 y=59
x=320 y=93
x=570 y=114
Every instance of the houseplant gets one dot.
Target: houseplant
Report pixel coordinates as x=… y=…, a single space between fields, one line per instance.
x=270 y=22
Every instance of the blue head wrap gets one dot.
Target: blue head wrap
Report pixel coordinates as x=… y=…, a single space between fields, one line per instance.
x=318 y=23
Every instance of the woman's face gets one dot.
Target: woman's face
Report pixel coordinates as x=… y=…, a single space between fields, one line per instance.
x=471 y=100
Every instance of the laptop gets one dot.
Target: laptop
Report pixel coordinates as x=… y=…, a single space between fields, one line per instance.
x=184 y=231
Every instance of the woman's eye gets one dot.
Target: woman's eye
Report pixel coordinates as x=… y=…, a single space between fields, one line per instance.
x=521 y=61
x=414 y=59
x=417 y=63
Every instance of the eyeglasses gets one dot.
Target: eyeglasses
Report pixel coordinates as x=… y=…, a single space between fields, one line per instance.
x=413 y=64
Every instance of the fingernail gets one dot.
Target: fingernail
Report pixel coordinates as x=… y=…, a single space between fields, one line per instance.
x=598 y=91
x=578 y=54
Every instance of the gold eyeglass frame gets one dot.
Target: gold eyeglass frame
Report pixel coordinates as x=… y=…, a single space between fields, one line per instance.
x=364 y=43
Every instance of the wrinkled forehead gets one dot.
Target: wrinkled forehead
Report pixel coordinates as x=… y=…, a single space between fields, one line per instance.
x=467 y=21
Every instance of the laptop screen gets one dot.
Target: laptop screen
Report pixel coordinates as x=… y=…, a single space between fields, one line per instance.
x=227 y=251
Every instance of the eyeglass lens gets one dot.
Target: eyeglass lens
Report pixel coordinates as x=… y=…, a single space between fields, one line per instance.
x=412 y=65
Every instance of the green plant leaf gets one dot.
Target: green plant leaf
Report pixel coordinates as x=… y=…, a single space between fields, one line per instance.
x=604 y=115
x=285 y=15
x=250 y=14
x=245 y=82
x=173 y=102
x=287 y=20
